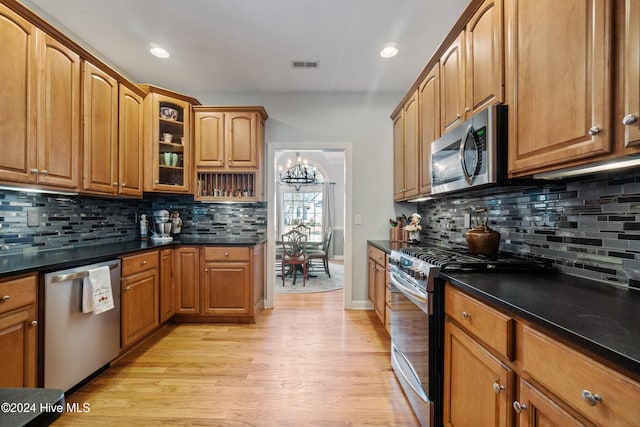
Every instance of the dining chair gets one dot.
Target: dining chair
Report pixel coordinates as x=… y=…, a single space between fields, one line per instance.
x=294 y=255
x=322 y=253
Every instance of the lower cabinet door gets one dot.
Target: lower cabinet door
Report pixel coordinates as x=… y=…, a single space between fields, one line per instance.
x=139 y=306
x=167 y=285
x=187 y=278
x=18 y=336
x=478 y=387
x=535 y=409
x=227 y=288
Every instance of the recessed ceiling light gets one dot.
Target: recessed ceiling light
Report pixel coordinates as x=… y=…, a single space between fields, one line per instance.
x=389 y=51
x=159 y=52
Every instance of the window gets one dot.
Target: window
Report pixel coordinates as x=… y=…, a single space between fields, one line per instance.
x=303 y=207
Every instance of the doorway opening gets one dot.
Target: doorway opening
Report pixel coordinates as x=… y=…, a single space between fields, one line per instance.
x=316 y=204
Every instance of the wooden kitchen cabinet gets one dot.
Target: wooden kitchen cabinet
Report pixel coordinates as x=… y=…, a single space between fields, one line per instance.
x=559 y=104
x=41 y=84
x=140 y=297
x=187 y=280
x=472 y=67
x=627 y=116
x=229 y=152
x=405 y=151
x=452 y=85
x=478 y=386
x=130 y=143
x=226 y=281
x=168 y=162
x=100 y=142
x=429 y=126
x=219 y=284
x=18 y=331
x=377 y=281
x=535 y=409
x=167 y=285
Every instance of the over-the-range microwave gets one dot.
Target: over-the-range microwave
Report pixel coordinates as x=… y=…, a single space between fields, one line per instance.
x=474 y=154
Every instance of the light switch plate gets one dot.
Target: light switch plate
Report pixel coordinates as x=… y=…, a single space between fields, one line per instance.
x=32 y=218
x=357 y=219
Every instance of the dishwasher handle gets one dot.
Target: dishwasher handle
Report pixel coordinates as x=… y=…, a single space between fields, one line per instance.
x=77 y=275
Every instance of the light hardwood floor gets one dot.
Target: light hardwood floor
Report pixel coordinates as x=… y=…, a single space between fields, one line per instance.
x=308 y=362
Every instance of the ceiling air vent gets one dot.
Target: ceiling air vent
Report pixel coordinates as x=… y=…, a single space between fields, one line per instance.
x=305 y=64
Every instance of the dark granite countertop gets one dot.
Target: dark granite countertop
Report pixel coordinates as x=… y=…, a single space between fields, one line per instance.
x=58 y=259
x=600 y=318
x=30 y=406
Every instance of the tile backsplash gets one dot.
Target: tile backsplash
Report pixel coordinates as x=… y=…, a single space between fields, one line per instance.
x=587 y=227
x=70 y=221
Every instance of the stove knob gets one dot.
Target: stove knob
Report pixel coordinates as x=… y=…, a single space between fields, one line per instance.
x=420 y=275
x=412 y=272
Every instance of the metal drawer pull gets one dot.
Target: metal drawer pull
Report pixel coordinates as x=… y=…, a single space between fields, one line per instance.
x=77 y=275
x=466 y=315
x=6 y=298
x=590 y=398
x=497 y=388
x=144 y=262
x=226 y=254
x=34 y=323
x=594 y=131
x=519 y=407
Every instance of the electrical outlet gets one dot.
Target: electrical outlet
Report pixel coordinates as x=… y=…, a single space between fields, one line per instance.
x=32 y=218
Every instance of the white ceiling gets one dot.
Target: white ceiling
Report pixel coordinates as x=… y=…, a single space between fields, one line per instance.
x=248 y=45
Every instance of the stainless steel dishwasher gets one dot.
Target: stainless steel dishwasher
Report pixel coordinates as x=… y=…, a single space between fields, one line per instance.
x=77 y=344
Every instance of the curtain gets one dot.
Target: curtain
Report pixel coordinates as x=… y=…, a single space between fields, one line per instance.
x=327 y=209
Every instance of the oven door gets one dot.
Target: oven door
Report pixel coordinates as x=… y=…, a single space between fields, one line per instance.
x=410 y=353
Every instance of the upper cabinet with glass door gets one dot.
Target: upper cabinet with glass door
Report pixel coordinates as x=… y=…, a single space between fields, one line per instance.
x=168 y=158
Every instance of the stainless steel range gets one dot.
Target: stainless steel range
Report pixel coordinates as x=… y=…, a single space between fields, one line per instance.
x=417 y=318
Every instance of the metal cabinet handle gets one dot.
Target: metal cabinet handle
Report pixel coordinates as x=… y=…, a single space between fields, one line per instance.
x=127 y=288
x=6 y=297
x=594 y=130
x=467 y=109
x=44 y=172
x=519 y=407
x=115 y=184
x=497 y=388
x=629 y=119
x=144 y=262
x=34 y=171
x=206 y=269
x=123 y=185
x=466 y=315
x=226 y=254
x=591 y=399
x=34 y=323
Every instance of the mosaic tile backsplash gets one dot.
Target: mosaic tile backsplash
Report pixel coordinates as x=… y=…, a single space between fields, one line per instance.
x=71 y=221
x=588 y=227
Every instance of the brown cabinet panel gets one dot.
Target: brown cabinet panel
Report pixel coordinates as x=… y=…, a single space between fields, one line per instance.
x=556 y=99
x=539 y=410
x=241 y=140
x=429 y=98
x=18 y=97
x=167 y=285
x=130 y=158
x=630 y=71
x=100 y=131
x=471 y=373
x=140 y=302
x=411 y=137
x=187 y=276
x=398 y=156
x=226 y=288
x=18 y=332
x=58 y=115
x=452 y=85
x=209 y=137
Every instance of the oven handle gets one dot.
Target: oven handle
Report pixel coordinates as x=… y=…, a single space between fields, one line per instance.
x=396 y=354
x=398 y=284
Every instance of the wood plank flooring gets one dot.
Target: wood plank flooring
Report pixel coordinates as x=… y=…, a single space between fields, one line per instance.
x=308 y=362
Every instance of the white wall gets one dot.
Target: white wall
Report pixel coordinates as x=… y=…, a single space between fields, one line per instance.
x=358 y=118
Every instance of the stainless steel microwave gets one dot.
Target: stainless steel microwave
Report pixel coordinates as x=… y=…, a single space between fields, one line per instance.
x=471 y=155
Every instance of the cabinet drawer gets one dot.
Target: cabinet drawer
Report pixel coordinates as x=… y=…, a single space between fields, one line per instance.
x=568 y=374
x=17 y=292
x=489 y=325
x=227 y=253
x=136 y=263
x=378 y=255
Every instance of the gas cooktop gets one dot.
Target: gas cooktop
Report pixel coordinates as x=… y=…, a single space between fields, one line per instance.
x=461 y=259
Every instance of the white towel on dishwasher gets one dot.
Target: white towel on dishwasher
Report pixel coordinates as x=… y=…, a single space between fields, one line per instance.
x=96 y=291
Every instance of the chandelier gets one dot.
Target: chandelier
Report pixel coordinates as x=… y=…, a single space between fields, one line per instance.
x=298 y=174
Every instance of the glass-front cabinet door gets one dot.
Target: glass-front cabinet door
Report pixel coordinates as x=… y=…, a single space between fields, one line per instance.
x=168 y=160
